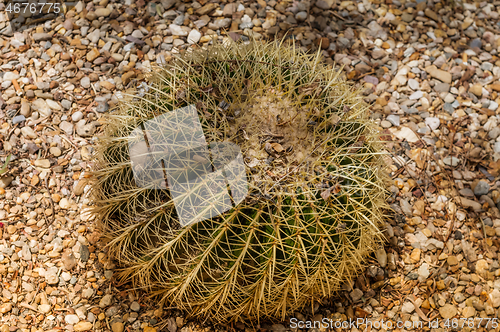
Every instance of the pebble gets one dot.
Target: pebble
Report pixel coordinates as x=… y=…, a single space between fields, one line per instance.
x=406 y=134
x=476 y=89
x=301 y=16
x=432 y=123
x=25 y=109
x=423 y=272
x=44 y=308
x=66 y=127
x=77 y=116
x=83 y=129
x=18 y=119
x=83 y=326
x=55 y=151
x=448 y=311
x=194 y=37
x=441 y=75
x=356 y=295
x=69 y=260
x=481 y=188
x=44 y=163
x=407 y=308
x=71 y=319
x=451 y=161
x=177 y=30
x=102 y=12
x=393 y=119
x=135 y=306
x=85 y=82
x=413 y=84
x=117 y=327
x=381 y=257
x=106 y=300
x=5 y=308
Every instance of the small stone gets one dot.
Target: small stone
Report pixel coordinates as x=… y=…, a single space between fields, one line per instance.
x=439 y=74
x=28 y=132
x=431 y=14
x=64 y=203
x=18 y=119
x=407 y=134
x=356 y=295
x=385 y=124
x=177 y=30
x=25 y=108
x=5 y=181
x=66 y=127
x=44 y=308
x=66 y=104
x=381 y=257
x=106 y=300
x=448 y=311
x=55 y=151
x=128 y=76
x=77 y=116
x=51 y=276
x=413 y=84
x=423 y=272
x=41 y=106
x=71 y=319
x=452 y=260
x=325 y=4
x=468 y=312
x=495 y=298
x=69 y=260
x=459 y=297
x=53 y=105
x=135 y=306
x=85 y=82
x=482 y=266
x=394 y=119
x=92 y=55
x=441 y=87
x=84 y=253
x=43 y=163
x=41 y=36
x=117 y=327
x=301 y=16
x=83 y=326
x=481 y=188
x=102 y=106
x=194 y=36
x=84 y=129
x=206 y=9
x=102 y=12
x=451 y=161
x=407 y=308
x=476 y=89
x=5 y=308
x=467 y=22
x=432 y=123
x=378 y=53
x=406 y=207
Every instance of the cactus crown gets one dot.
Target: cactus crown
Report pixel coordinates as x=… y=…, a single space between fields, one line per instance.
x=316 y=185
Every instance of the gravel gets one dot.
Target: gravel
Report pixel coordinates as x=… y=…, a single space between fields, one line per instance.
x=430 y=74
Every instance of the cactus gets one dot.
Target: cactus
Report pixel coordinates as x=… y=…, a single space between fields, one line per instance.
x=316 y=185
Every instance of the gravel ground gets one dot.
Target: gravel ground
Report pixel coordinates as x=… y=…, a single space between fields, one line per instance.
x=431 y=72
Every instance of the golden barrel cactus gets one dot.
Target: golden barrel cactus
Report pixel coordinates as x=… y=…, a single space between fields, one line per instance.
x=315 y=183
